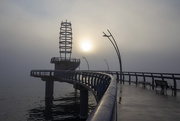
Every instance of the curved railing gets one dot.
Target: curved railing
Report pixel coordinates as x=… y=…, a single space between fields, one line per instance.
x=56 y=59
x=148 y=78
x=102 y=85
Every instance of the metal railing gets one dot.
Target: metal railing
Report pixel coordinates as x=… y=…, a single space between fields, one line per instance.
x=102 y=85
x=148 y=78
x=56 y=59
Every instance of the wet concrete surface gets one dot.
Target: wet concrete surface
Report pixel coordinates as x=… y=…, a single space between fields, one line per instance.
x=139 y=104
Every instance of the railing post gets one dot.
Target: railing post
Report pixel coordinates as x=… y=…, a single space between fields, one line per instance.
x=89 y=77
x=78 y=76
x=136 y=79
x=144 y=79
x=175 y=86
x=152 y=81
x=123 y=77
x=162 y=77
x=95 y=82
x=118 y=77
x=82 y=77
x=75 y=76
x=129 y=78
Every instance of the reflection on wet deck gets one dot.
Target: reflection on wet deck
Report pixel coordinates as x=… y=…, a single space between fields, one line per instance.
x=139 y=104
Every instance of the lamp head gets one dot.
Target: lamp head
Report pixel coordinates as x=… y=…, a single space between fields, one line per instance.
x=105 y=35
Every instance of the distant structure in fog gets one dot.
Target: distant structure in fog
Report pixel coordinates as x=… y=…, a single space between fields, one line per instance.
x=65 y=62
x=65 y=40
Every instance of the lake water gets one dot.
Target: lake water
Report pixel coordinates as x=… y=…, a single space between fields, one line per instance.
x=22 y=100
x=25 y=100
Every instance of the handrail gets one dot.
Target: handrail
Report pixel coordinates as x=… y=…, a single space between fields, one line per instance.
x=173 y=78
x=56 y=59
x=102 y=85
x=107 y=105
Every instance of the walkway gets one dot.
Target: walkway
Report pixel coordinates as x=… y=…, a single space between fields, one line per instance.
x=138 y=104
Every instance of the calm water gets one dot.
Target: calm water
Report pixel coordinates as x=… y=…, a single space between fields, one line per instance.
x=24 y=100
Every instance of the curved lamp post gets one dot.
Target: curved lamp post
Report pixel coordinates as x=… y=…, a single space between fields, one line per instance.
x=86 y=62
x=106 y=64
x=112 y=40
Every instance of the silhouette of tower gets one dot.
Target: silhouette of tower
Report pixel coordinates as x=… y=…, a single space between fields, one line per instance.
x=65 y=62
x=65 y=40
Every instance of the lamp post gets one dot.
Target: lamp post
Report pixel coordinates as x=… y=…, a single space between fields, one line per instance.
x=86 y=62
x=106 y=64
x=112 y=40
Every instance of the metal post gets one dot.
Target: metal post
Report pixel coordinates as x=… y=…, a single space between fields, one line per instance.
x=144 y=78
x=86 y=62
x=116 y=49
x=129 y=78
x=152 y=81
x=117 y=76
x=106 y=64
x=175 y=86
x=136 y=79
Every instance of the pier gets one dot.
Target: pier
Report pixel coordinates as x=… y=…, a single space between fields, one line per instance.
x=139 y=104
x=116 y=99
x=120 y=96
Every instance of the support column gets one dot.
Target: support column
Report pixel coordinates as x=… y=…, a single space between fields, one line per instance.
x=83 y=103
x=49 y=90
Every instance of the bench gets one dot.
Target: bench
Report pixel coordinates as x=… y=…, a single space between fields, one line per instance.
x=164 y=85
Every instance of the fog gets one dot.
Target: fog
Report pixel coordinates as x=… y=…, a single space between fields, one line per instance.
x=147 y=33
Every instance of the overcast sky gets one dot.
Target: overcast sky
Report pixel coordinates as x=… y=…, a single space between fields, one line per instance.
x=147 y=33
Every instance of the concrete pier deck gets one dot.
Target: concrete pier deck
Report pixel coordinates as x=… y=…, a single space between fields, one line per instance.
x=139 y=104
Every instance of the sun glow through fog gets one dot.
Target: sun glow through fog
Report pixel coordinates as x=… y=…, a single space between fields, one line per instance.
x=86 y=45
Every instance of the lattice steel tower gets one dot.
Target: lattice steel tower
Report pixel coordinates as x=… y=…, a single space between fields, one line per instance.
x=65 y=62
x=65 y=40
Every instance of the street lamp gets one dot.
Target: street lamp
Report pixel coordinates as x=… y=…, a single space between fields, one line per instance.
x=86 y=62
x=112 y=40
x=106 y=64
